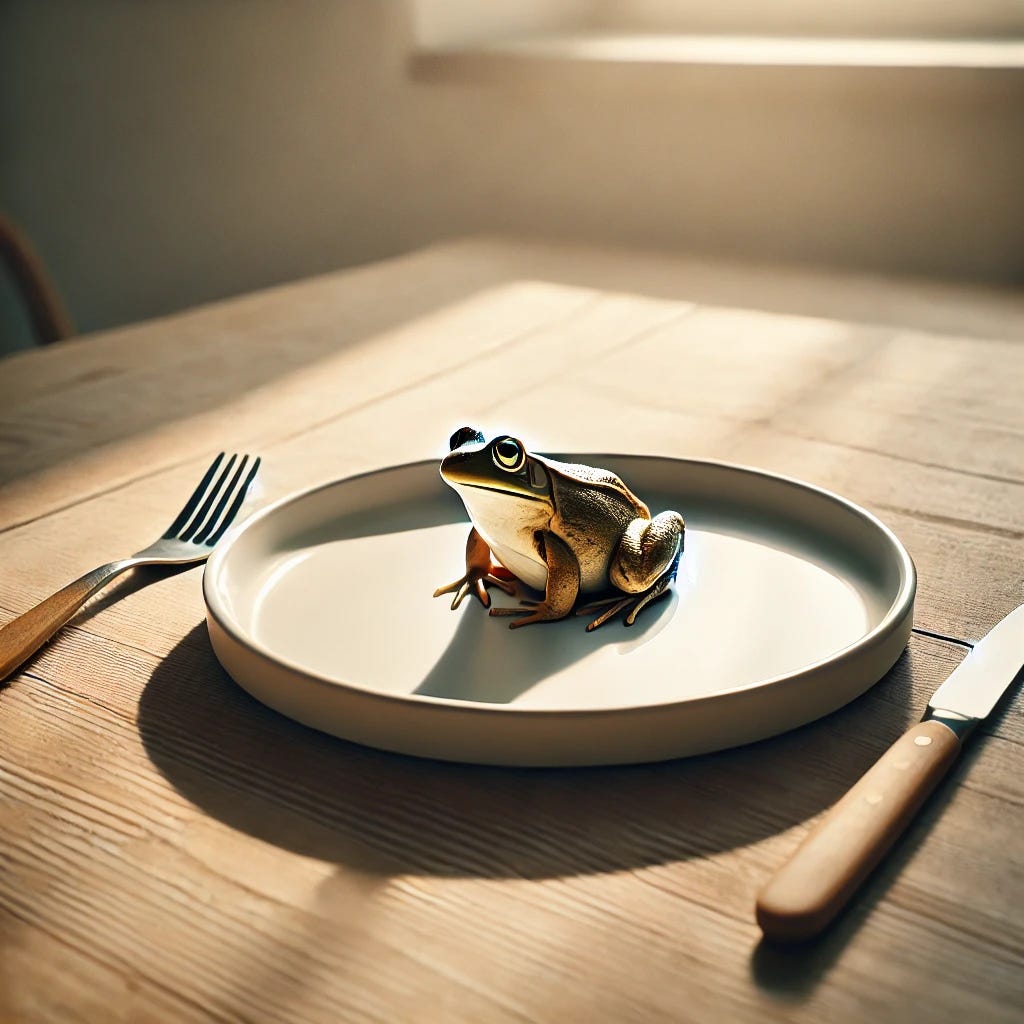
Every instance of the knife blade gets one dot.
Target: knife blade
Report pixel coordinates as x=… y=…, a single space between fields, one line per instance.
x=807 y=892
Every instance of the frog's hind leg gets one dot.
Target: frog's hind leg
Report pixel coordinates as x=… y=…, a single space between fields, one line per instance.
x=648 y=552
x=634 y=602
x=659 y=588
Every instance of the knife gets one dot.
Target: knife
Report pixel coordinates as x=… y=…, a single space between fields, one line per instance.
x=803 y=897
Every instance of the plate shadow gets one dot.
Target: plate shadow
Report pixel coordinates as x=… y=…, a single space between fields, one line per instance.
x=382 y=813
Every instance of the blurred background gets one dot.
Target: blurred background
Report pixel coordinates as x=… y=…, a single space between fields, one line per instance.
x=162 y=154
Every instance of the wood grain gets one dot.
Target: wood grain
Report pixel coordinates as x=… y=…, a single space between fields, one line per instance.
x=172 y=850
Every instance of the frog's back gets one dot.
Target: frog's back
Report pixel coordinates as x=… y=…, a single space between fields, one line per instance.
x=592 y=508
x=608 y=488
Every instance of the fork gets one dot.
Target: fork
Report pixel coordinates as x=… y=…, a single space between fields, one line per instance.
x=207 y=514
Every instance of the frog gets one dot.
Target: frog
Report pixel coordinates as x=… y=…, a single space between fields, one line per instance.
x=575 y=533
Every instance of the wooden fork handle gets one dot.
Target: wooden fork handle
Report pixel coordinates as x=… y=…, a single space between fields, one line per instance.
x=23 y=636
x=814 y=885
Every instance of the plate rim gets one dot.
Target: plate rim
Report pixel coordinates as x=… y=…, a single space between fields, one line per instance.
x=899 y=610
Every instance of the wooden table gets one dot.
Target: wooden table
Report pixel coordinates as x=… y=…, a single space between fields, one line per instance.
x=172 y=850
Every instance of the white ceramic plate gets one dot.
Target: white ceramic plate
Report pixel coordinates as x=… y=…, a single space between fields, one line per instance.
x=790 y=602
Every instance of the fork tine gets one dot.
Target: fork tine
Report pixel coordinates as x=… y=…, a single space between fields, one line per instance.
x=211 y=497
x=229 y=516
x=223 y=493
x=225 y=497
x=193 y=502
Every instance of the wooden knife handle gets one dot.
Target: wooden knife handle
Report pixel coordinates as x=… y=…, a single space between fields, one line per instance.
x=816 y=882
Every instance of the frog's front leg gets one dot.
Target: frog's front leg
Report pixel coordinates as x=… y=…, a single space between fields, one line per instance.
x=560 y=590
x=480 y=570
x=644 y=565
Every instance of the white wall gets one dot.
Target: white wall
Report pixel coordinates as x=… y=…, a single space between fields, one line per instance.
x=166 y=152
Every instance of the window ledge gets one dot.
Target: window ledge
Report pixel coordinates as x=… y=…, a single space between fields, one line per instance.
x=727 y=51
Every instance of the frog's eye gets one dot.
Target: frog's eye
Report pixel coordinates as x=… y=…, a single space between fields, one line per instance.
x=509 y=455
x=463 y=436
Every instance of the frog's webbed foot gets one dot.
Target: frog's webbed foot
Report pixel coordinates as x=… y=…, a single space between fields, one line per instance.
x=480 y=571
x=611 y=607
x=532 y=611
x=632 y=604
x=476 y=583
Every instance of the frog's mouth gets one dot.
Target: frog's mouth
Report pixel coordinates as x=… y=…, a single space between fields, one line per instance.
x=515 y=485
